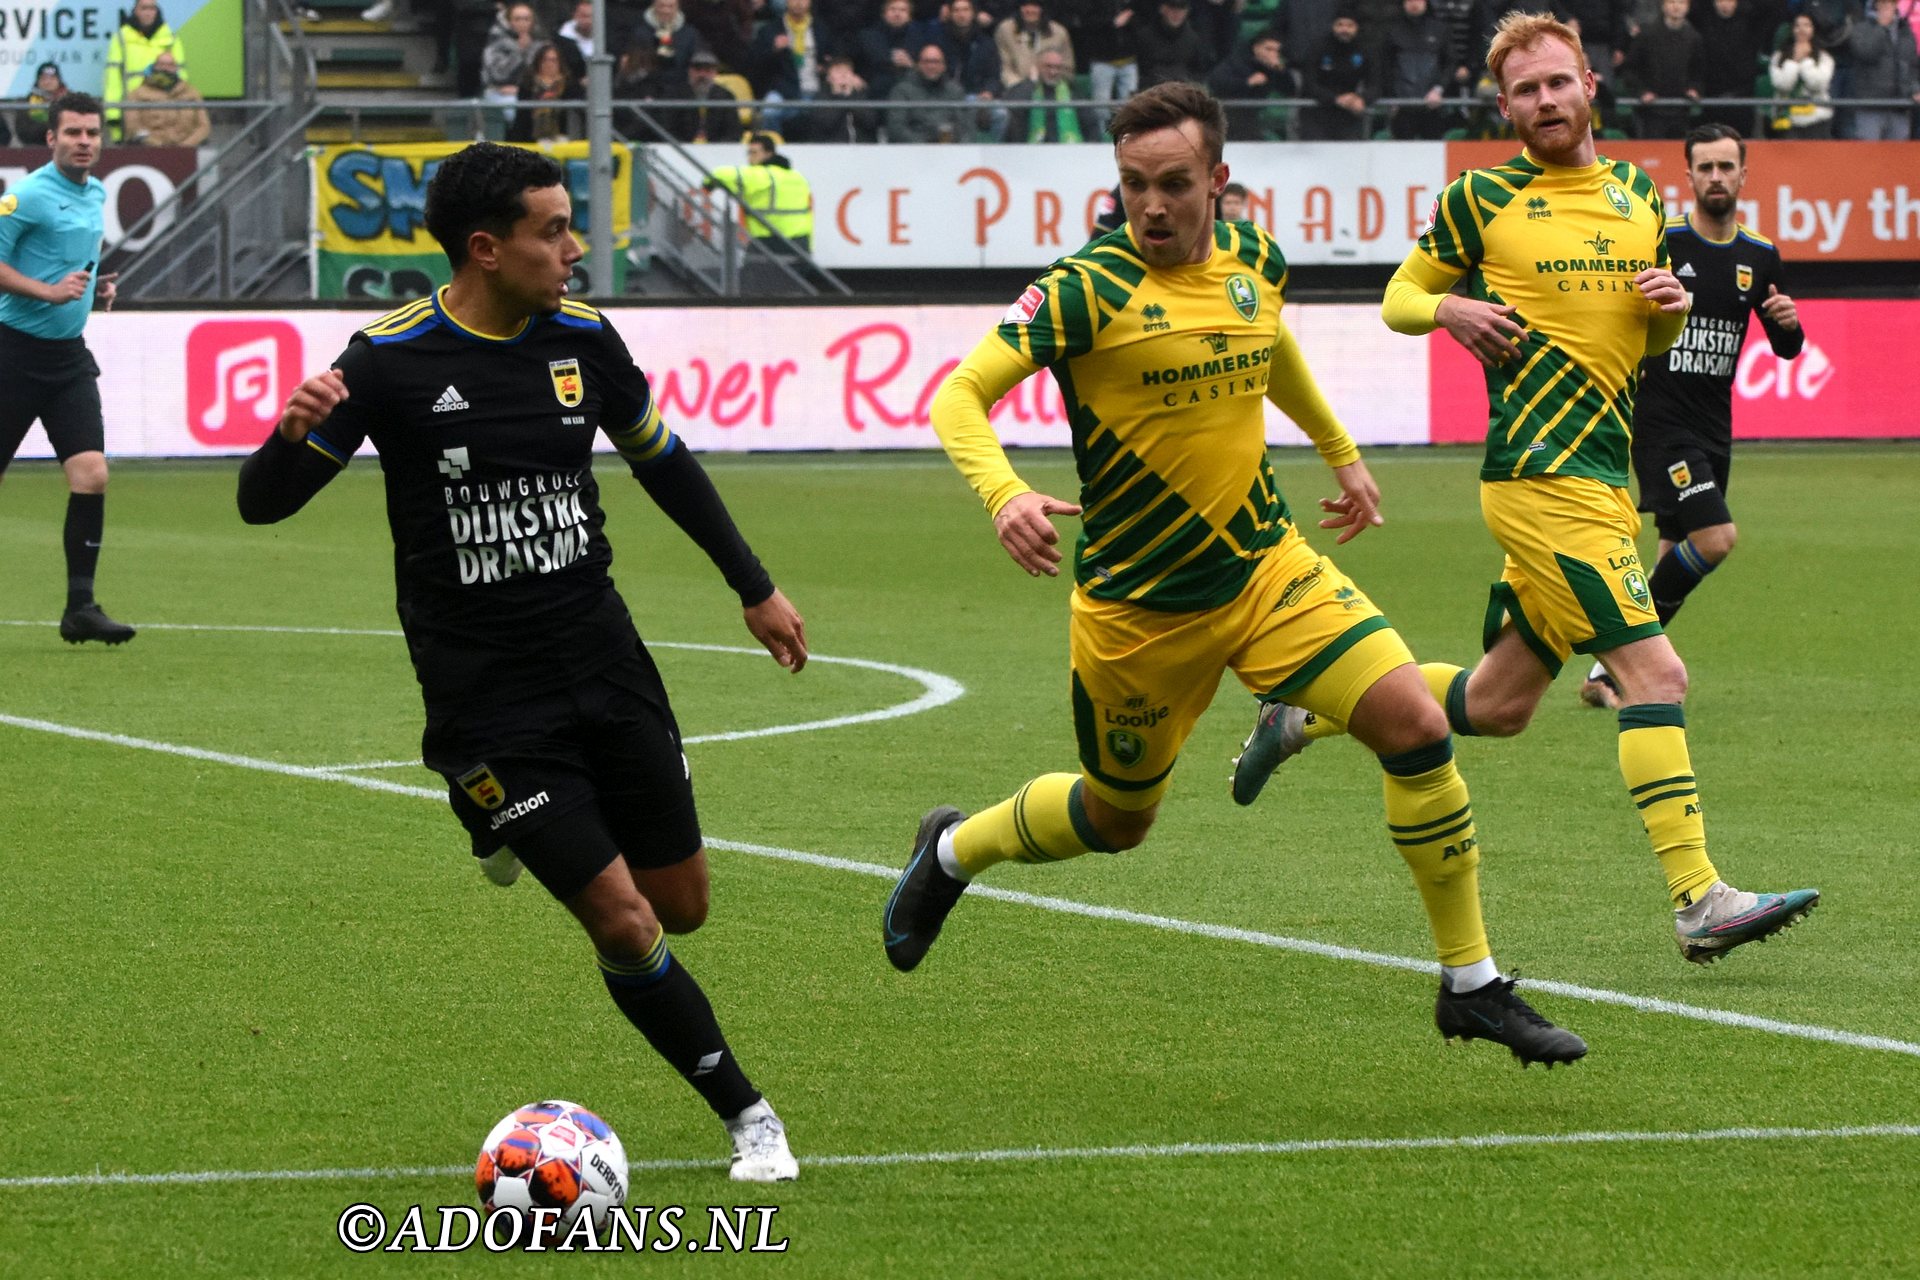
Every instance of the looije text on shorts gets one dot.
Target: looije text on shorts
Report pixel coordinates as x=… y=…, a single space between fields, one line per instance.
x=526 y=524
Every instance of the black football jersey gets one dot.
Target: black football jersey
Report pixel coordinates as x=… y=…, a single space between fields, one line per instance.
x=501 y=567
x=1686 y=393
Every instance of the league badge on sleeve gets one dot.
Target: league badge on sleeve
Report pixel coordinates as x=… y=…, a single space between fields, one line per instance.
x=8 y=203
x=567 y=387
x=1026 y=307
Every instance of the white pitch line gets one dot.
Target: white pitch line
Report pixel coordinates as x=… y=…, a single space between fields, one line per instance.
x=938 y=690
x=1065 y=906
x=1011 y=1155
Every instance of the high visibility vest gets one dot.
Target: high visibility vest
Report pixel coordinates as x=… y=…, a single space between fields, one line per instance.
x=779 y=195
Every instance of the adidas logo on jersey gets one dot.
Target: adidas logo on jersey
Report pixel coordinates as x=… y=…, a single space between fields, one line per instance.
x=1686 y=269
x=449 y=401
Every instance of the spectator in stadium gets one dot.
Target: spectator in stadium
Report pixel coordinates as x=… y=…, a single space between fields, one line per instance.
x=545 y=713
x=1664 y=61
x=928 y=83
x=50 y=240
x=1466 y=42
x=509 y=52
x=971 y=51
x=1884 y=66
x=1023 y=37
x=719 y=122
x=1232 y=204
x=884 y=51
x=575 y=39
x=182 y=127
x=1257 y=71
x=1170 y=48
x=136 y=42
x=666 y=31
x=848 y=117
x=1731 y=40
x=1413 y=65
x=1601 y=25
x=48 y=88
x=1338 y=80
x=725 y=27
x=547 y=85
x=1032 y=119
x=1802 y=74
x=1103 y=38
x=789 y=49
x=638 y=78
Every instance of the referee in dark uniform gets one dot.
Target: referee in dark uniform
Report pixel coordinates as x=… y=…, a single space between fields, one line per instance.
x=51 y=225
x=1683 y=413
x=544 y=711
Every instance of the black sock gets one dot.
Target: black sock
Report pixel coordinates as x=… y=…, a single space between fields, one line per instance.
x=1678 y=573
x=661 y=998
x=86 y=518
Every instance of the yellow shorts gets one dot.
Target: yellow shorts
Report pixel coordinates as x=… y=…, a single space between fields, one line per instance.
x=1573 y=581
x=1141 y=678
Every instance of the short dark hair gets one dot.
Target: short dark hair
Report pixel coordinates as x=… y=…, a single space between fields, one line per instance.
x=484 y=188
x=1714 y=133
x=1164 y=106
x=80 y=104
x=1234 y=189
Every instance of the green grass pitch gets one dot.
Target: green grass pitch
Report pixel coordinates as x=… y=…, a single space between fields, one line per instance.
x=211 y=968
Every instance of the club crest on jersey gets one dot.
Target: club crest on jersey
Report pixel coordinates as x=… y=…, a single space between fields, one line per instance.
x=1743 y=277
x=1618 y=199
x=1025 y=307
x=1244 y=297
x=8 y=203
x=1127 y=749
x=1680 y=475
x=482 y=787
x=1636 y=584
x=567 y=387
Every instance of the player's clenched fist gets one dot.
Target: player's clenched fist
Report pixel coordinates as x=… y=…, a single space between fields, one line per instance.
x=1027 y=533
x=311 y=403
x=1659 y=286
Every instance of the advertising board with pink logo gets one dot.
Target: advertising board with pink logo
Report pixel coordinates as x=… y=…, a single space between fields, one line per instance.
x=186 y=384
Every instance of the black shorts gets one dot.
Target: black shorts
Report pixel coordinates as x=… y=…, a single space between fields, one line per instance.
x=57 y=382
x=1684 y=487
x=598 y=762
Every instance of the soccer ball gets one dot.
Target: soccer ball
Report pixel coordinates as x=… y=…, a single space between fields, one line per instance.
x=553 y=1155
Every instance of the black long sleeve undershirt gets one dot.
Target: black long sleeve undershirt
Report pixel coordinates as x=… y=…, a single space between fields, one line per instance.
x=679 y=486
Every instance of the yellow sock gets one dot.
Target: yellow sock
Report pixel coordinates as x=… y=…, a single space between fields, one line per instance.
x=1430 y=817
x=1043 y=822
x=1447 y=683
x=1659 y=777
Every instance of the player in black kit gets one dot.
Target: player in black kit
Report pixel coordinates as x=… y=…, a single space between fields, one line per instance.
x=544 y=711
x=1683 y=416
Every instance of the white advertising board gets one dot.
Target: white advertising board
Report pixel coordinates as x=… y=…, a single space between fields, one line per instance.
x=186 y=384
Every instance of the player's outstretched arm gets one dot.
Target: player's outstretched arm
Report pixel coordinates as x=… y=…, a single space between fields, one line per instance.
x=1293 y=391
x=292 y=464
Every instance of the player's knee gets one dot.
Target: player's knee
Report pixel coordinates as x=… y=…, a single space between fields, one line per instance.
x=1717 y=543
x=1123 y=828
x=1502 y=717
x=1665 y=683
x=684 y=910
x=623 y=930
x=87 y=473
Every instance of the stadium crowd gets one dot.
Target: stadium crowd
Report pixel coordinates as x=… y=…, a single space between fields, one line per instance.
x=1008 y=70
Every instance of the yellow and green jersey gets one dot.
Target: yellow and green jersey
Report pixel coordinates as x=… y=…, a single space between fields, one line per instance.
x=1562 y=246
x=1163 y=371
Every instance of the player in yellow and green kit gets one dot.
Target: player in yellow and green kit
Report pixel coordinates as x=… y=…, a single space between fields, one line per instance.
x=1165 y=337
x=1564 y=260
